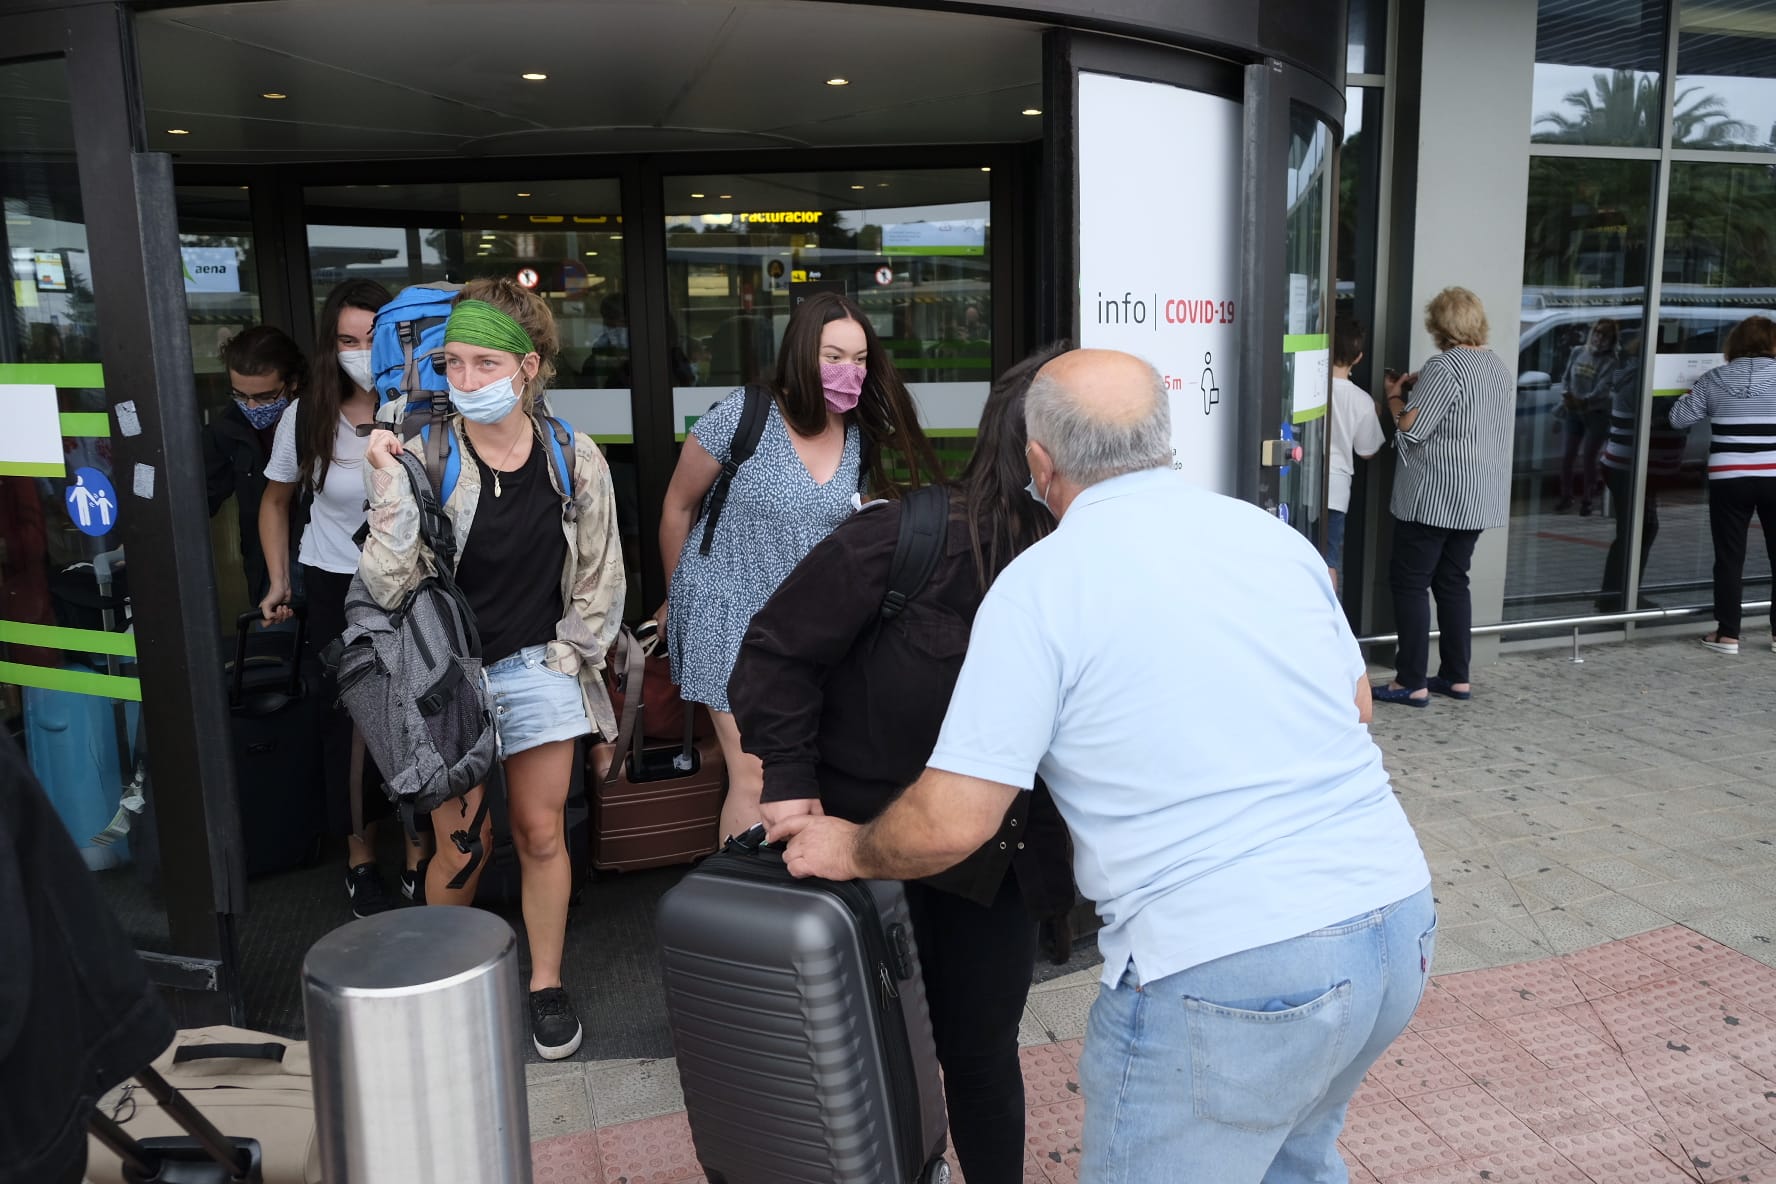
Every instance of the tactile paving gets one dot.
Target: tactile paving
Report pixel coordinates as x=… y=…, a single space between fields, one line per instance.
x=1051 y=1072
x=651 y=1151
x=1683 y=949
x=1548 y=1104
x=1482 y=1051
x=1616 y=1155
x=1513 y=990
x=1471 y=1121
x=566 y=1159
x=1618 y=965
x=1411 y=1066
x=1556 y=1038
x=1055 y=1135
x=1440 y=1009
x=1539 y=1164
x=1708 y=1143
x=1391 y=1141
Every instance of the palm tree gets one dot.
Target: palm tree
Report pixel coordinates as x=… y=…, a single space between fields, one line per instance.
x=1623 y=107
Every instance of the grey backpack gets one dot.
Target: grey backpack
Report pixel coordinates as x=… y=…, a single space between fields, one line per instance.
x=411 y=678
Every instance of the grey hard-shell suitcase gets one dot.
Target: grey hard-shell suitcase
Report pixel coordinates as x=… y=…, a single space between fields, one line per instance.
x=799 y=1019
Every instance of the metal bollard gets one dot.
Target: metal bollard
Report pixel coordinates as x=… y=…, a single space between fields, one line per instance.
x=415 y=1023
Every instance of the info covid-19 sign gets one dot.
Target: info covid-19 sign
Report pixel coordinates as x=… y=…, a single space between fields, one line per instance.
x=1159 y=188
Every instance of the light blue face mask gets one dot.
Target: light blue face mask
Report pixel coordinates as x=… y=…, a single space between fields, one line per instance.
x=1036 y=494
x=489 y=404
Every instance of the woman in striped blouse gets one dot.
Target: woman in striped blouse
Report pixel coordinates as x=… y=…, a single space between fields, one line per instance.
x=1739 y=402
x=1452 y=481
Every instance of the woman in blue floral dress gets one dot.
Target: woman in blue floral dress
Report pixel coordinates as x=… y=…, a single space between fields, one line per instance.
x=838 y=411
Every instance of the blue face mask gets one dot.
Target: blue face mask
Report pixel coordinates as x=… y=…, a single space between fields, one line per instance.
x=1036 y=494
x=489 y=404
x=262 y=415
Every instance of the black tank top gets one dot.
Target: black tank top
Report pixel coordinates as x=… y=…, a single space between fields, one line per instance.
x=510 y=569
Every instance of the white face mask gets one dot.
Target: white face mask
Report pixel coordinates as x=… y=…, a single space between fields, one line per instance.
x=488 y=404
x=356 y=364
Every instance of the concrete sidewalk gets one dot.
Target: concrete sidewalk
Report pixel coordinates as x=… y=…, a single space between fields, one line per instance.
x=1564 y=809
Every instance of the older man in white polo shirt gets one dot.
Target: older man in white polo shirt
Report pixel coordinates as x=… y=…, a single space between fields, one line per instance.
x=1176 y=667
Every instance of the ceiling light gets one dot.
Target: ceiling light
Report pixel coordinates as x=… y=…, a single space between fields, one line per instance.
x=985 y=168
x=534 y=76
x=524 y=195
x=591 y=252
x=615 y=238
x=177 y=131
x=274 y=94
x=727 y=197
x=838 y=82
x=857 y=187
x=1032 y=110
x=487 y=234
x=881 y=184
x=696 y=195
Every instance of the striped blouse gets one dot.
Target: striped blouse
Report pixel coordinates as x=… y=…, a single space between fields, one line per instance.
x=1665 y=444
x=1454 y=468
x=1739 y=402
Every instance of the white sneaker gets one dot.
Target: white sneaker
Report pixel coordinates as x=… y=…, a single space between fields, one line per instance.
x=1722 y=647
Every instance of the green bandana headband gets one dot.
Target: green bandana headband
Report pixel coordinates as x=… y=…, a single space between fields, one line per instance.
x=476 y=322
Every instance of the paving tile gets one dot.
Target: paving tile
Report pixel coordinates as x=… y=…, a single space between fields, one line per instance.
x=1031 y=1031
x=559 y=1106
x=1680 y=900
x=1617 y=872
x=1618 y=965
x=652 y=1151
x=566 y=1159
x=1564 y=932
x=1482 y=1051
x=1471 y=1121
x=1537 y=1164
x=1440 y=1009
x=1051 y=1072
x=1411 y=1066
x=1616 y=1155
x=1557 y=1038
x=1055 y=1134
x=1745 y=929
x=1548 y=1104
x=1708 y=1143
x=1512 y=990
x=1619 y=916
x=1390 y=1141
x=1064 y=1012
x=634 y=1090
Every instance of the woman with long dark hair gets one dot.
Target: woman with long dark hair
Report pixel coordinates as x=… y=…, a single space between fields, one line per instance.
x=839 y=422
x=319 y=457
x=843 y=709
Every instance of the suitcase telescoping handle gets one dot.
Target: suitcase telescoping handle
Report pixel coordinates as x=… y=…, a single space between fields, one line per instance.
x=162 y=1161
x=242 y=625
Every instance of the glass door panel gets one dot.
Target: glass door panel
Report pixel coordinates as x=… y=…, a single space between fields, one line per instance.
x=561 y=239
x=69 y=691
x=1307 y=374
x=913 y=248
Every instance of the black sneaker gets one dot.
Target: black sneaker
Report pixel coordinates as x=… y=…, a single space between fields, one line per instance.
x=369 y=895
x=554 y=1028
x=412 y=886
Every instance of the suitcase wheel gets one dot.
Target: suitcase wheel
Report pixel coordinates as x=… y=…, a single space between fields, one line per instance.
x=936 y=1172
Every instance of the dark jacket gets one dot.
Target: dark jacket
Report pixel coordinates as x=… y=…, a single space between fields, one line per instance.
x=234 y=466
x=77 y=1014
x=844 y=708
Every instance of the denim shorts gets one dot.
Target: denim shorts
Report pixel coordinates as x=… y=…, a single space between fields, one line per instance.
x=532 y=704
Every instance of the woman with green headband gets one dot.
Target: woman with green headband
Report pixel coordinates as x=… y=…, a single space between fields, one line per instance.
x=546 y=585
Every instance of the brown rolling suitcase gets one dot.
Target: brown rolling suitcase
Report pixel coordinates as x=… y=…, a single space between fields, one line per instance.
x=653 y=804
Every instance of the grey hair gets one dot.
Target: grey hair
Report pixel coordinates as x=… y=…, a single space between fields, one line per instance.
x=1087 y=450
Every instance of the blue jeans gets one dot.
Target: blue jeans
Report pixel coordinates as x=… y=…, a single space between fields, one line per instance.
x=1335 y=546
x=1239 y=1070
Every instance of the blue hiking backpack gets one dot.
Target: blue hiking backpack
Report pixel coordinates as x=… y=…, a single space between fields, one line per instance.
x=407 y=363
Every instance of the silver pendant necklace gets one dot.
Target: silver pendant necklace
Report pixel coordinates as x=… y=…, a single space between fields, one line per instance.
x=504 y=460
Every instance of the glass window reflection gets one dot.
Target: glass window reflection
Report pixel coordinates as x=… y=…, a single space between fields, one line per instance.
x=1726 y=76
x=1598 y=65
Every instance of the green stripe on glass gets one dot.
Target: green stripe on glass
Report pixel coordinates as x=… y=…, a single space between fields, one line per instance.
x=81 y=376
x=1295 y=343
x=85 y=425
x=55 y=637
x=1310 y=415
x=78 y=682
x=25 y=469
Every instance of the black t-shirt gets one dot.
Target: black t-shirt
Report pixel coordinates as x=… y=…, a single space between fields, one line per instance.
x=511 y=567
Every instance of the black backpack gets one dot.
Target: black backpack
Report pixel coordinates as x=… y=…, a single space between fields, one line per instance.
x=924 y=528
x=755 y=412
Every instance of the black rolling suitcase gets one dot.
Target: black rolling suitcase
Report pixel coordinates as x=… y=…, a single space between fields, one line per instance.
x=277 y=747
x=799 y=1019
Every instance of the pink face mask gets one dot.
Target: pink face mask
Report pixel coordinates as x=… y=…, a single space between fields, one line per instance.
x=843 y=383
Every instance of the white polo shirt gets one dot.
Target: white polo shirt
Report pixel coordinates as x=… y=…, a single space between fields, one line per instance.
x=1176 y=666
